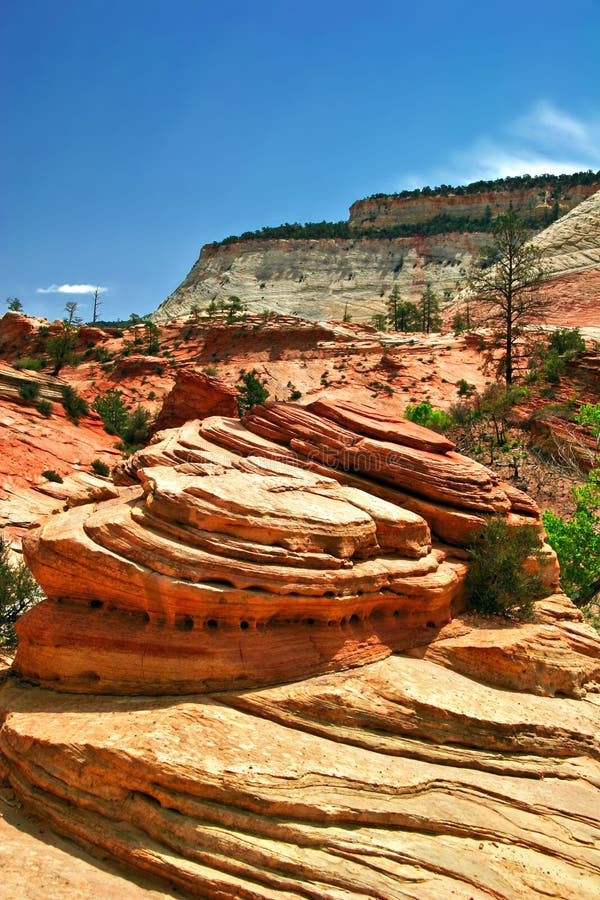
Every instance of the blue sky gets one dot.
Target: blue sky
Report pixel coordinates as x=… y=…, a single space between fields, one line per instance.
x=137 y=130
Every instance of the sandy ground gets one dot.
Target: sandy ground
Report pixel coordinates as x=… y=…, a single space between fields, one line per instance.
x=35 y=862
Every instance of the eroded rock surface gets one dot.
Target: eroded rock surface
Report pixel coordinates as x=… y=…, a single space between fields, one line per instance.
x=268 y=561
x=399 y=779
x=252 y=553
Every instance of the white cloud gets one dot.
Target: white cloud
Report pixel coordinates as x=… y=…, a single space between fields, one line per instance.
x=72 y=289
x=543 y=140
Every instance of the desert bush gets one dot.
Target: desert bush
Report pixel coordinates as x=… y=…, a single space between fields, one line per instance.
x=252 y=392
x=100 y=468
x=134 y=434
x=73 y=403
x=18 y=592
x=465 y=389
x=577 y=542
x=567 y=341
x=52 y=475
x=424 y=414
x=44 y=407
x=29 y=390
x=34 y=364
x=112 y=410
x=497 y=581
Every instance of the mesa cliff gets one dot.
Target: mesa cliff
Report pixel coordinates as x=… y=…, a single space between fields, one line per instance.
x=389 y=240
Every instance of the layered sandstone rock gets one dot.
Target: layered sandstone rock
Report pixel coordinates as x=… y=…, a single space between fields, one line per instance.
x=572 y=243
x=322 y=279
x=195 y=396
x=332 y=277
x=399 y=779
x=387 y=210
x=255 y=552
x=264 y=552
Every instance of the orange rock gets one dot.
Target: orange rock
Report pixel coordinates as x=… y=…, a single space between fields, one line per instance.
x=557 y=657
x=195 y=396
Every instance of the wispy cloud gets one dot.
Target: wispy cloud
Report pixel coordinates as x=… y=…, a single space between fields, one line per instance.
x=72 y=289
x=543 y=140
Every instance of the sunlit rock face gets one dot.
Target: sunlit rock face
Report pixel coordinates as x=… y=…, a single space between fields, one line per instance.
x=329 y=277
x=281 y=561
x=299 y=541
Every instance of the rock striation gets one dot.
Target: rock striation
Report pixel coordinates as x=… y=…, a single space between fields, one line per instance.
x=256 y=552
x=330 y=277
x=398 y=779
x=284 y=561
x=315 y=279
x=387 y=210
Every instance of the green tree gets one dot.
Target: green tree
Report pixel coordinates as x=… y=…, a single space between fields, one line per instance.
x=152 y=334
x=424 y=414
x=135 y=432
x=589 y=415
x=429 y=311
x=112 y=410
x=402 y=315
x=234 y=308
x=18 y=592
x=252 y=392
x=73 y=403
x=506 y=281
x=577 y=542
x=61 y=347
x=14 y=304
x=497 y=580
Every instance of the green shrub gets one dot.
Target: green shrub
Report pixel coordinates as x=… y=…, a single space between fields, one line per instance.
x=100 y=468
x=424 y=414
x=52 y=475
x=102 y=355
x=73 y=404
x=135 y=432
x=496 y=580
x=577 y=542
x=567 y=341
x=44 y=407
x=465 y=389
x=18 y=592
x=29 y=390
x=252 y=392
x=112 y=410
x=29 y=362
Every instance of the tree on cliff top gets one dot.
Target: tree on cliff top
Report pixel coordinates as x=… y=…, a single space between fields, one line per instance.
x=506 y=280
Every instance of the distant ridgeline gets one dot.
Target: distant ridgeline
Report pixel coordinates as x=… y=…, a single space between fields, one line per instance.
x=538 y=200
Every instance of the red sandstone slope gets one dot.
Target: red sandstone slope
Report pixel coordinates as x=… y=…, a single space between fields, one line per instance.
x=343 y=362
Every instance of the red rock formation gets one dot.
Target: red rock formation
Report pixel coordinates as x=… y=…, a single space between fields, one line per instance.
x=195 y=396
x=399 y=779
x=236 y=564
x=238 y=560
